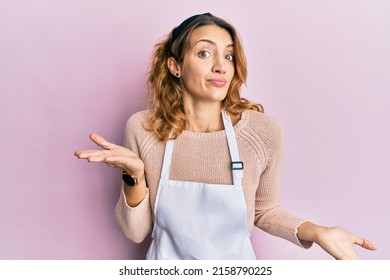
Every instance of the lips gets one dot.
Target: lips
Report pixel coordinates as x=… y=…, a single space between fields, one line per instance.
x=219 y=82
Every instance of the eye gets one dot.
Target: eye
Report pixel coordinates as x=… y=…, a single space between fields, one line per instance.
x=230 y=57
x=204 y=54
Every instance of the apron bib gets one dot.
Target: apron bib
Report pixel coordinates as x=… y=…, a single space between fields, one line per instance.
x=196 y=220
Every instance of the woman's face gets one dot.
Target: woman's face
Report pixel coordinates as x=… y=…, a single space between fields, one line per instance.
x=208 y=66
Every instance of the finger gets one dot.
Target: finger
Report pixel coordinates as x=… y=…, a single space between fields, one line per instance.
x=101 y=141
x=81 y=154
x=101 y=158
x=90 y=153
x=111 y=164
x=367 y=244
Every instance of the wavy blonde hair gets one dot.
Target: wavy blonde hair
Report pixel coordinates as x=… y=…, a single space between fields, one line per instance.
x=166 y=95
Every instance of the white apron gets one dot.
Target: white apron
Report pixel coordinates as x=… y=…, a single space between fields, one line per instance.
x=198 y=220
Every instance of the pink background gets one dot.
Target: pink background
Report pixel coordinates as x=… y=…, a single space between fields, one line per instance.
x=68 y=68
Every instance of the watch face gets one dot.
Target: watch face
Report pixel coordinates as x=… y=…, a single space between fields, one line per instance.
x=128 y=180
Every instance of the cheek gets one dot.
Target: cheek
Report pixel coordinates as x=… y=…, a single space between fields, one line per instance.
x=231 y=72
x=232 y=68
x=194 y=75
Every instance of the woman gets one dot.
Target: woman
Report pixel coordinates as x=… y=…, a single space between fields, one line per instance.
x=201 y=167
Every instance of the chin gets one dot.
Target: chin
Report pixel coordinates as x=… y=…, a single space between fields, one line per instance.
x=218 y=95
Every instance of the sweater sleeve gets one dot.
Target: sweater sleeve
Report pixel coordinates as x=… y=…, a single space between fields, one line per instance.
x=270 y=216
x=135 y=222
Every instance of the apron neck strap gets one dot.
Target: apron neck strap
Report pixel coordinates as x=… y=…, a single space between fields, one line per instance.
x=237 y=166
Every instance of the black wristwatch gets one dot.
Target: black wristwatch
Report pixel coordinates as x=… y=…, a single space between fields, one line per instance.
x=130 y=180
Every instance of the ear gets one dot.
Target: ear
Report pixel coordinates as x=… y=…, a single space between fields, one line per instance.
x=173 y=66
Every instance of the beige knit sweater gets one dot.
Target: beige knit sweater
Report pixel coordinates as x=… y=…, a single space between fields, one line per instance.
x=205 y=157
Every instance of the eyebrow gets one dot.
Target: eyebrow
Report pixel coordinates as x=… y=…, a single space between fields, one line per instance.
x=212 y=43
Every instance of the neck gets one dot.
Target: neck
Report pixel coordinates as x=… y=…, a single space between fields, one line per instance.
x=204 y=118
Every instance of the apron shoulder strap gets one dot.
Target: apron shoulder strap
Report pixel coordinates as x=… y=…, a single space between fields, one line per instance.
x=236 y=165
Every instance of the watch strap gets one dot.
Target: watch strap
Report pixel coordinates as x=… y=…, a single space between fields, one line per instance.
x=131 y=180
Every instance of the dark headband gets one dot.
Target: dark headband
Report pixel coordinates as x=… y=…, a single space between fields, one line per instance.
x=184 y=24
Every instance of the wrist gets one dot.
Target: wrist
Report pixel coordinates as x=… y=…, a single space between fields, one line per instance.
x=310 y=232
x=131 y=179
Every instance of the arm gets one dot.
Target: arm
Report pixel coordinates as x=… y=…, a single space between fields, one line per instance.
x=135 y=222
x=132 y=213
x=271 y=217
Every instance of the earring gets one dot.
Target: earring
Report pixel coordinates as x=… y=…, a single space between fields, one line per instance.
x=177 y=75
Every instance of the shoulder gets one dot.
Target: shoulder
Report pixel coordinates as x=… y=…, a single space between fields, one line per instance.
x=136 y=128
x=262 y=131
x=137 y=119
x=138 y=123
x=263 y=124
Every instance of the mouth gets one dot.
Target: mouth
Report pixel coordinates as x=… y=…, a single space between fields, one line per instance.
x=220 y=82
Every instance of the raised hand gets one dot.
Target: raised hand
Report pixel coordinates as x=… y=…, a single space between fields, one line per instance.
x=113 y=155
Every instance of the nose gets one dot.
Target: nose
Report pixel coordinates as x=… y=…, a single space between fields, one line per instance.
x=219 y=65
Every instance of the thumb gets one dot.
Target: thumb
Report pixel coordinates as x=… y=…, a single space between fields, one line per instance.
x=100 y=141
